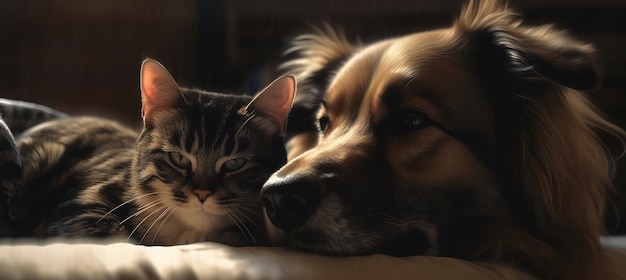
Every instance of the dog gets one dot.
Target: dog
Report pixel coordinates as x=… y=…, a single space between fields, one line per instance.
x=474 y=141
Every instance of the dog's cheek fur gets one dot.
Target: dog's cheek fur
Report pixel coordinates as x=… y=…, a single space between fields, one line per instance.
x=445 y=185
x=433 y=157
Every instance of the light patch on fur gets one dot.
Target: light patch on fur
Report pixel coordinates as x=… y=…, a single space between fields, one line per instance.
x=45 y=155
x=301 y=143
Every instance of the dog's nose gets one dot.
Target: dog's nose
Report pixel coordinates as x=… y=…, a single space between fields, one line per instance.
x=289 y=202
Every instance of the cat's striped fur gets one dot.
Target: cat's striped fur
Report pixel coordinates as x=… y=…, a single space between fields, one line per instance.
x=21 y=115
x=192 y=174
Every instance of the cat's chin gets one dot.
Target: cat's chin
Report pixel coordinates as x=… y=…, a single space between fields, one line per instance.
x=176 y=233
x=202 y=218
x=235 y=237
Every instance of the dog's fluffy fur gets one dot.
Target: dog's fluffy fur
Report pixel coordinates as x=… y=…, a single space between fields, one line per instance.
x=473 y=142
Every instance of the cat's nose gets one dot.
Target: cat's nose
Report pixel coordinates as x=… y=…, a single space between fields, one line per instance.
x=202 y=194
x=289 y=202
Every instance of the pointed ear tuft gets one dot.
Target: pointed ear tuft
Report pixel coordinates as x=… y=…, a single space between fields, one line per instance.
x=158 y=88
x=275 y=100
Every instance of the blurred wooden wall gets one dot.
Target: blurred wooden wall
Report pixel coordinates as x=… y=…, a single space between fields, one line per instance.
x=83 y=57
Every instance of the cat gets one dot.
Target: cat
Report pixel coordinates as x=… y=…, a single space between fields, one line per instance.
x=21 y=115
x=192 y=174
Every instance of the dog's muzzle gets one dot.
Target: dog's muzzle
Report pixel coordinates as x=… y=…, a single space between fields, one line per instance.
x=291 y=200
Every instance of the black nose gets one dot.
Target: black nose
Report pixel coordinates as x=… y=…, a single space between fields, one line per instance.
x=290 y=202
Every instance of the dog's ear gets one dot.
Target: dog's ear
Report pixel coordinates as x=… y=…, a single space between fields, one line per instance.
x=549 y=155
x=540 y=54
x=313 y=59
x=527 y=52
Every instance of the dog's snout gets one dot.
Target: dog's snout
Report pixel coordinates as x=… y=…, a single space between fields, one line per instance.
x=290 y=202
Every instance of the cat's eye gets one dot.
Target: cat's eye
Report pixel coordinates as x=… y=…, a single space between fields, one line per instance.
x=234 y=164
x=179 y=160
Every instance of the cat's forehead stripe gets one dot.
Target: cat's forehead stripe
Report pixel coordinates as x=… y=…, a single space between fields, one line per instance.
x=190 y=136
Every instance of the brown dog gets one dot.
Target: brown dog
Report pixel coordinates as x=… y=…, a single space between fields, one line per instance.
x=471 y=142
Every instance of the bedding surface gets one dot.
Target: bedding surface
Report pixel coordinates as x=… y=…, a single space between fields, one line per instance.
x=64 y=260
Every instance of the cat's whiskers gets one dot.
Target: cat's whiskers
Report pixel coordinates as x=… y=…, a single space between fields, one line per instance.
x=241 y=212
x=141 y=210
x=245 y=226
x=247 y=205
x=143 y=220
x=238 y=226
x=167 y=209
x=124 y=203
x=144 y=206
x=241 y=225
x=170 y=212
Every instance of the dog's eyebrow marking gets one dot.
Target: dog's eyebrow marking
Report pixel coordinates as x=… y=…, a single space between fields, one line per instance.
x=392 y=95
x=432 y=96
x=395 y=94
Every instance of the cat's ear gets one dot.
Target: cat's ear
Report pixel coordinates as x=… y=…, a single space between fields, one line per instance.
x=158 y=88
x=275 y=100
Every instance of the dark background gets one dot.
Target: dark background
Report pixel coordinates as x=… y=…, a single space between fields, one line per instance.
x=83 y=57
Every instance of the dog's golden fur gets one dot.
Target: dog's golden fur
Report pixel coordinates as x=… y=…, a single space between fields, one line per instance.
x=472 y=142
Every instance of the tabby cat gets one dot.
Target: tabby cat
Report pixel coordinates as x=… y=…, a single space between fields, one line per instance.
x=21 y=115
x=192 y=174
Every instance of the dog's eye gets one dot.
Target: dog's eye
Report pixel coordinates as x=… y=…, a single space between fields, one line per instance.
x=411 y=121
x=322 y=123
